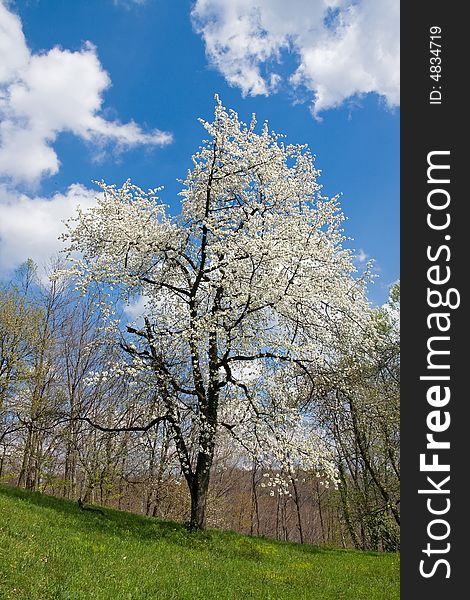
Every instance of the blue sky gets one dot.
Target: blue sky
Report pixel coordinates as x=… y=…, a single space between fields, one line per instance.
x=163 y=68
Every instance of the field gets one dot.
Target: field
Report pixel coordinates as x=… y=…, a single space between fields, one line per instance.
x=51 y=549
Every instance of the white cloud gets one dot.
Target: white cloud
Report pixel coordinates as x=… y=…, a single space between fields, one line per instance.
x=361 y=256
x=136 y=309
x=12 y=45
x=30 y=226
x=42 y=95
x=343 y=48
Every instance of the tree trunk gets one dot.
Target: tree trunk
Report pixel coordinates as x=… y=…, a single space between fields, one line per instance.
x=199 y=492
x=199 y=486
x=343 y=492
x=70 y=466
x=2 y=460
x=198 y=483
x=27 y=477
x=297 y=507
x=254 y=502
x=320 y=514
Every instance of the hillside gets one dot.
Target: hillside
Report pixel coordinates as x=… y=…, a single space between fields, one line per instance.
x=50 y=549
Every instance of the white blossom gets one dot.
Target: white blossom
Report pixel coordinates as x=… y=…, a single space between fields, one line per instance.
x=247 y=292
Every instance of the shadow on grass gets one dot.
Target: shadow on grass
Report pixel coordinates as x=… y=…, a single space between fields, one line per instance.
x=223 y=544
x=112 y=522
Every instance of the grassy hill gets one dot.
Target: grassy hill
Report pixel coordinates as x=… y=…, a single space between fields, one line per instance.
x=50 y=549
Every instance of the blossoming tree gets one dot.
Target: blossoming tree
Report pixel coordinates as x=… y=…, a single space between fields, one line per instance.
x=247 y=293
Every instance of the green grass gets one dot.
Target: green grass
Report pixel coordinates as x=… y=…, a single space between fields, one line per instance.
x=50 y=549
